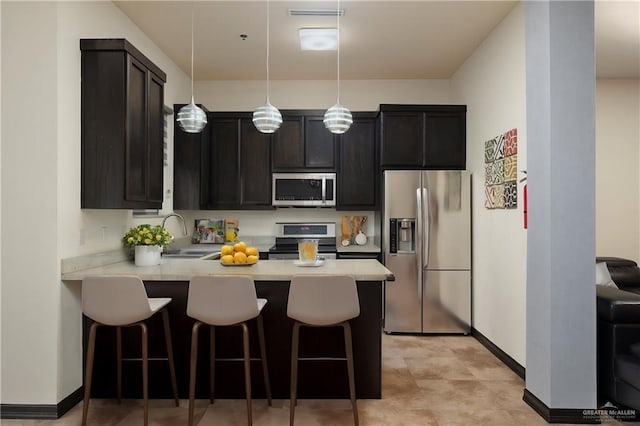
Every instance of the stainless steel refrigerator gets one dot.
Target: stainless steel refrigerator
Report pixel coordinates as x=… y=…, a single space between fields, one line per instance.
x=426 y=237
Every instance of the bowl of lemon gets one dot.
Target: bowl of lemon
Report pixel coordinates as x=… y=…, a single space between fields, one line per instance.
x=238 y=255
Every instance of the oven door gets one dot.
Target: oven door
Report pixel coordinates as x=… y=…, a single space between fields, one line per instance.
x=304 y=189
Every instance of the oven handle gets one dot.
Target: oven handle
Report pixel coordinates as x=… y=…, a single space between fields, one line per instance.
x=324 y=190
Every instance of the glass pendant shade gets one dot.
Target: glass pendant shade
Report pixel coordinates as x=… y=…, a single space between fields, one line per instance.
x=338 y=119
x=191 y=118
x=267 y=118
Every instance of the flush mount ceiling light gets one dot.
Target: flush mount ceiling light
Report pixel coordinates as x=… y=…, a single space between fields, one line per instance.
x=267 y=118
x=318 y=38
x=191 y=118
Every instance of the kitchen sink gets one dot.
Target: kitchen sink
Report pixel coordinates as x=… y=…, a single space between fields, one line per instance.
x=191 y=254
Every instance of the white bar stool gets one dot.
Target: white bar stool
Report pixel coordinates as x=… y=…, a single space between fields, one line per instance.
x=121 y=301
x=322 y=301
x=225 y=301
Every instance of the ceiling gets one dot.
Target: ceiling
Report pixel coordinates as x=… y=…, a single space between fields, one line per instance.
x=378 y=39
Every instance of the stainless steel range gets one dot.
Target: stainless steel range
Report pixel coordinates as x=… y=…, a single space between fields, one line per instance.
x=286 y=246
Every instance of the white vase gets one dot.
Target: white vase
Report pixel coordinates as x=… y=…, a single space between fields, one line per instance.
x=147 y=255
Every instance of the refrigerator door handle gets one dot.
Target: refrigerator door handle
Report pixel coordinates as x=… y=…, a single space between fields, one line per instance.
x=419 y=225
x=426 y=223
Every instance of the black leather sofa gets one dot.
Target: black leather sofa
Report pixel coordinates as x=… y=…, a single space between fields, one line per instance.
x=618 y=311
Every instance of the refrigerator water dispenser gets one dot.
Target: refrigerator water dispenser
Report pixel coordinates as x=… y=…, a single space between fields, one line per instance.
x=402 y=235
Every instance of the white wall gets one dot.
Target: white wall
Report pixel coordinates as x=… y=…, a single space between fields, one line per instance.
x=357 y=95
x=41 y=216
x=617 y=171
x=492 y=84
x=29 y=219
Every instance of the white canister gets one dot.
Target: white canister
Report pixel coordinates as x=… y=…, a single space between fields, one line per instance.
x=147 y=255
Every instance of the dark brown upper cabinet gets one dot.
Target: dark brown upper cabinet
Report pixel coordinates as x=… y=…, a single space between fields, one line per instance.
x=190 y=159
x=303 y=142
x=122 y=127
x=423 y=136
x=357 y=164
x=228 y=166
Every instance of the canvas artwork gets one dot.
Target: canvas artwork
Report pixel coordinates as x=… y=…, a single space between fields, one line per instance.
x=501 y=171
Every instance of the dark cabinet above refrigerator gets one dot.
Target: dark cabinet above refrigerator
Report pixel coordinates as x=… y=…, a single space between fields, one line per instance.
x=423 y=137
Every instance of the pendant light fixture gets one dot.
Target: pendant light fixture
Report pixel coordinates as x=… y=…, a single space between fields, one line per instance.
x=338 y=118
x=191 y=118
x=267 y=118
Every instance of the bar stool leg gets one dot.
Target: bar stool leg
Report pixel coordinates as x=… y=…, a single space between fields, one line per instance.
x=294 y=371
x=212 y=362
x=192 y=372
x=352 y=385
x=247 y=369
x=119 y=363
x=263 y=356
x=172 y=369
x=145 y=373
x=89 y=371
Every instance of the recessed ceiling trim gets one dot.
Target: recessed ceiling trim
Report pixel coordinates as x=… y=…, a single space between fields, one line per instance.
x=316 y=12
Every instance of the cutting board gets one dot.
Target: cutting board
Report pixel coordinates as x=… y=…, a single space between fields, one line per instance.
x=346 y=231
x=352 y=226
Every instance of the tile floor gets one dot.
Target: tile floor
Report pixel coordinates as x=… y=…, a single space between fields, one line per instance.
x=430 y=380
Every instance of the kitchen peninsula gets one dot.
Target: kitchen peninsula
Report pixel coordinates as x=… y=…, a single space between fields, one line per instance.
x=317 y=379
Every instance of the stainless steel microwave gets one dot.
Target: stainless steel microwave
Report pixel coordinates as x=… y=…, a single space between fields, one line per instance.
x=304 y=189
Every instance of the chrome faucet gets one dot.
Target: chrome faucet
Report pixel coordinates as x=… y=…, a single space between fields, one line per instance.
x=179 y=216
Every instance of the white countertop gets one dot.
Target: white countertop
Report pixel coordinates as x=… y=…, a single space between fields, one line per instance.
x=264 y=270
x=370 y=247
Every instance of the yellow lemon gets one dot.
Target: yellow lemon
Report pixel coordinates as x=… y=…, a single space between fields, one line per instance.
x=252 y=251
x=231 y=236
x=226 y=250
x=239 y=257
x=227 y=258
x=241 y=246
x=252 y=258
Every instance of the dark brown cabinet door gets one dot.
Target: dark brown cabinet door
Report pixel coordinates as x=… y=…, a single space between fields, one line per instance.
x=445 y=146
x=255 y=160
x=302 y=142
x=357 y=165
x=235 y=172
x=224 y=171
x=319 y=144
x=122 y=126
x=155 y=147
x=136 y=137
x=288 y=144
x=402 y=143
x=190 y=152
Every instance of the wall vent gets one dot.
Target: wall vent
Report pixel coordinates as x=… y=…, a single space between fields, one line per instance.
x=316 y=12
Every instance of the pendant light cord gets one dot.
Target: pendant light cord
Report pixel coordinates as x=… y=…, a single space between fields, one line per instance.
x=338 y=25
x=268 y=31
x=192 y=19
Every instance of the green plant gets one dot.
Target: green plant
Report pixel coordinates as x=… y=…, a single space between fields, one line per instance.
x=146 y=235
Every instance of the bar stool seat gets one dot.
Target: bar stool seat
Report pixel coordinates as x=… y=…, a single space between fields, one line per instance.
x=121 y=301
x=322 y=301
x=225 y=301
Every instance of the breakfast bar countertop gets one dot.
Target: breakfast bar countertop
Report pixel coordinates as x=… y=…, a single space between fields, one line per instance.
x=264 y=270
